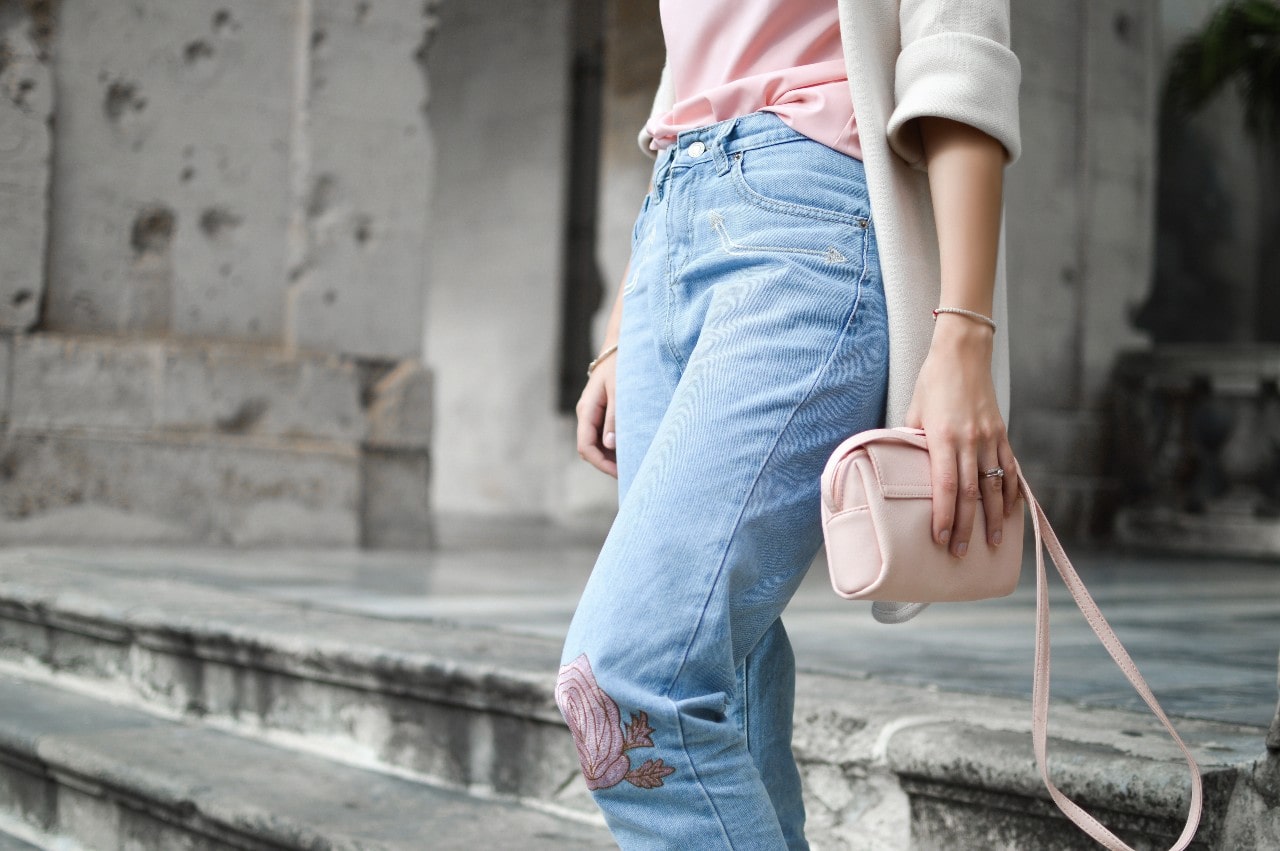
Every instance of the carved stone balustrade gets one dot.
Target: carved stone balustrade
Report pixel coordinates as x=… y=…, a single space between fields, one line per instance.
x=1196 y=449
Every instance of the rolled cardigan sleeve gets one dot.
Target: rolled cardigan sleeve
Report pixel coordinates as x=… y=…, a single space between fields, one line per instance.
x=955 y=63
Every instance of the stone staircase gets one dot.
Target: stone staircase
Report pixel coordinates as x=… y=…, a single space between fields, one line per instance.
x=160 y=715
x=156 y=440
x=155 y=713
x=109 y=776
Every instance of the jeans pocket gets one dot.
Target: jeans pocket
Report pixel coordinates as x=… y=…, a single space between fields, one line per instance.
x=805 y=179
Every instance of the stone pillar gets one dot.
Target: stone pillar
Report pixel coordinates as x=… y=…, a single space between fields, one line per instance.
x=1079 y=218
x=499 y=100
x=226 y=344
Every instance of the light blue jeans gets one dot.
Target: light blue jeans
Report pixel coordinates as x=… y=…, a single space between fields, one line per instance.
x=753 y=341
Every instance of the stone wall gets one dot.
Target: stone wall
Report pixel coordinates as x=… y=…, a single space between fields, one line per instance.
x=212 y=265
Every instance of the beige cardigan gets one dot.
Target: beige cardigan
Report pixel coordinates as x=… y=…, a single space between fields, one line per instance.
x=907 y=59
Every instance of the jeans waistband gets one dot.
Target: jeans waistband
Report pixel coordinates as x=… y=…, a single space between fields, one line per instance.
x=718 y=142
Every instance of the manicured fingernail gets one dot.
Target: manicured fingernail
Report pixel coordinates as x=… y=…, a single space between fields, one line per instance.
x=609 y=440
x=961 y=549
x=997 y=538
x=944 y=536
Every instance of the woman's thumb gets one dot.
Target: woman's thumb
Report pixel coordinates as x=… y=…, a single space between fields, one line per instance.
x=609 y=437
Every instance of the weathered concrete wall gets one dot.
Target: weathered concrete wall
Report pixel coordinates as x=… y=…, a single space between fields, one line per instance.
x=358 y=287
x=242 y=170
x=499 y=101
x=26 y=106
x=226 y=344
x=172 y=167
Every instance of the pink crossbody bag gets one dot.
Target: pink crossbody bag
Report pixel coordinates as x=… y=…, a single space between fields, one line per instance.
x=877 y=520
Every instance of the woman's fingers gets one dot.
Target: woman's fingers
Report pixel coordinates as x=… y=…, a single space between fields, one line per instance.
x=960 y=486
x=593 y=409
x=1010 y=481
x=992 y=488
x=609 y=436
x=967 y=498
x=942 y=472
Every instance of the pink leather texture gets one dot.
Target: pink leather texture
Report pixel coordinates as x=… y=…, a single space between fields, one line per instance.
x=876 y=519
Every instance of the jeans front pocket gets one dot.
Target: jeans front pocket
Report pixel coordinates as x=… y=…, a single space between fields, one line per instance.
x=803 y=178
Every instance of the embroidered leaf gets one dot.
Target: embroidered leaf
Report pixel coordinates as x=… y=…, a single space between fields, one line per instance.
x=649 y=775
x=637 y=732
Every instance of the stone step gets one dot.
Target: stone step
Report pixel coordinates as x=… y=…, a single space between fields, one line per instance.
x=108 y=777
x=886 y=766
x=110 y=439
x=109 y=487
x=471 y=708
x=13 y=843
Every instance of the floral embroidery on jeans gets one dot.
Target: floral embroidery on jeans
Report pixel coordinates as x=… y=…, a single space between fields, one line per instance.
x=598 y=732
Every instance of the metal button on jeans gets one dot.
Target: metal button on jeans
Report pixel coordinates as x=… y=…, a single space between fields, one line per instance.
x=697 y=149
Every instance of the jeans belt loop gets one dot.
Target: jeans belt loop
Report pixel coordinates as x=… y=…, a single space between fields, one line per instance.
x=719 y=144
x=660 y=178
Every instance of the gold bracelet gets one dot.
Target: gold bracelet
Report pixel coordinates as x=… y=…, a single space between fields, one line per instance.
x=591 y=366
x=970 y=314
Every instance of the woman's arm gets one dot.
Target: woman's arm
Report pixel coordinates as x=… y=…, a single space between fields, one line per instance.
x=955 y=397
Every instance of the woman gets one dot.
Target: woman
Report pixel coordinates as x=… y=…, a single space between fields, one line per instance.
x=828 y=172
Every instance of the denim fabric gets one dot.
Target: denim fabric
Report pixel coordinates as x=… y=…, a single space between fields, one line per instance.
x=753 y=341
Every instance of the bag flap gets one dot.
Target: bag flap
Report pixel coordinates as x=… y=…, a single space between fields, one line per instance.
x=901 y=469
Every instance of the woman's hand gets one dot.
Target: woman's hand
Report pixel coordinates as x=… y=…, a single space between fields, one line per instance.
x=955 y=404
x=597 y=438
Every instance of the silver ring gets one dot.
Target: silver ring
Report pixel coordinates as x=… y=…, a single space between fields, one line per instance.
x=993 y=473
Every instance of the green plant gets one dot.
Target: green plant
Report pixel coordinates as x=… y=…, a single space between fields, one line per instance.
x=1240 y=45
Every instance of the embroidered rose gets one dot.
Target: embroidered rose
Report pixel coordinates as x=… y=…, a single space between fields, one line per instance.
x=594 y=721
x=596 y=725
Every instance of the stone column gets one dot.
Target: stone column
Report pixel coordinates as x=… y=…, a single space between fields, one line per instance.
x=1079 y=218
x=499 y=100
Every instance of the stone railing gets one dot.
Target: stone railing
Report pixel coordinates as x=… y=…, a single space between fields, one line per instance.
x=1196 y=449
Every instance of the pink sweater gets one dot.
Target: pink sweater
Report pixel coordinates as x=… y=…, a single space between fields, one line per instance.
x=732 y=57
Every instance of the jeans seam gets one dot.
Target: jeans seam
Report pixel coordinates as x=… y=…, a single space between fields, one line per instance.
x=755 y=481
x=669 y=283
x=719 y=573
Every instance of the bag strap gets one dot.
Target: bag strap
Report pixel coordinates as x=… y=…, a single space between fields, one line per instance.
x=1040 y=686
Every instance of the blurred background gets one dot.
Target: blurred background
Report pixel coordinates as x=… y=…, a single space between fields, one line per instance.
x=328 y=270
x=326 y=274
